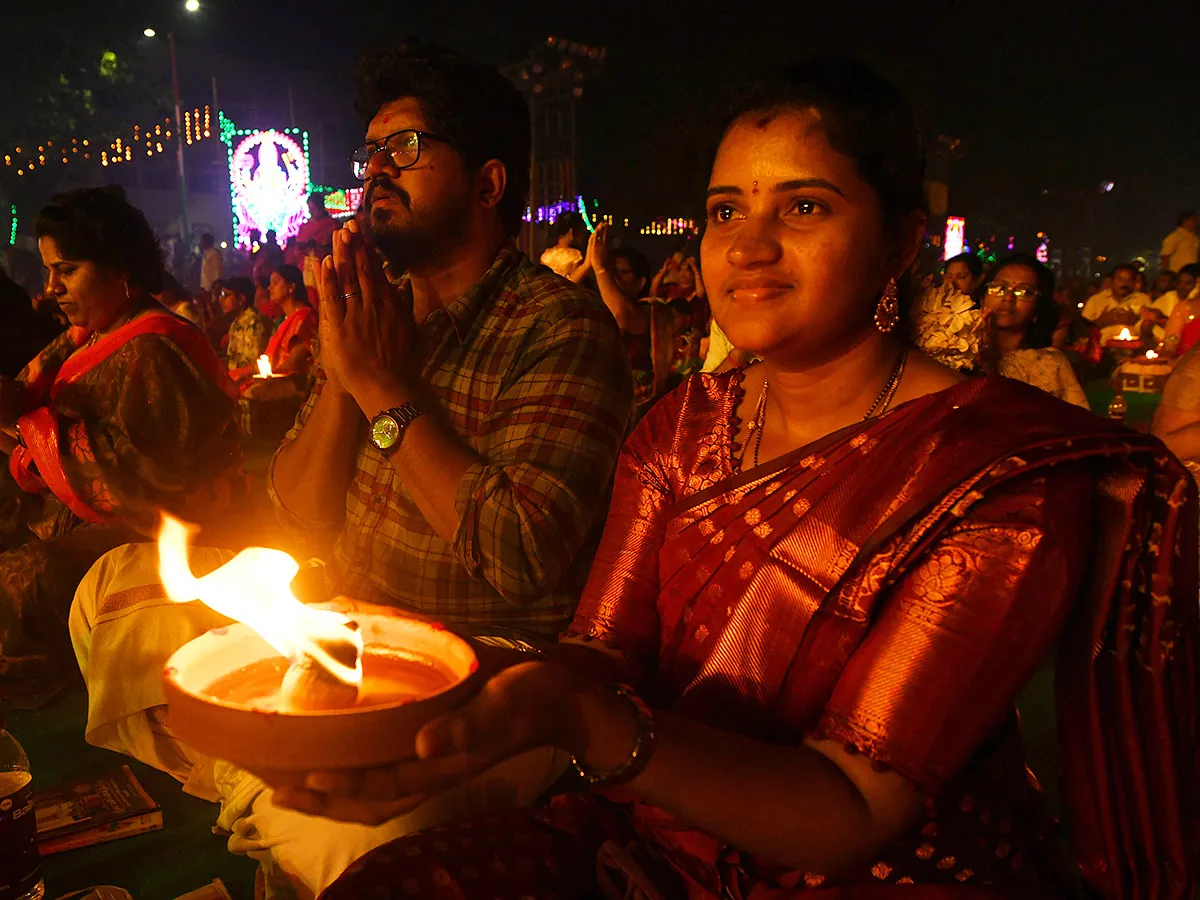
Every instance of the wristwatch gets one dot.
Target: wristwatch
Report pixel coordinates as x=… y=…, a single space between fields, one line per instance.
x=387 y=428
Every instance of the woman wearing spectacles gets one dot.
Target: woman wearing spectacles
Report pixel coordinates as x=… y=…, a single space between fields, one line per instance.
x=1022 y=314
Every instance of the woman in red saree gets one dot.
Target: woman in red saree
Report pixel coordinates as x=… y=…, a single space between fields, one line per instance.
x=828 y=576
x=126 y=413
x=290 y=349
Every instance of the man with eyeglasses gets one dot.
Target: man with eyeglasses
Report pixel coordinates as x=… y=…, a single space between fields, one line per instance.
x=455 y=454
x=460 y=444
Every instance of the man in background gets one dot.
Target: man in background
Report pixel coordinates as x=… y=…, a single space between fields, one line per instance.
x=210 y=263
x=1182 y=246
x=1119 y=306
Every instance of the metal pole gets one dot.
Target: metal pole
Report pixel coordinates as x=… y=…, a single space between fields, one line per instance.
x=183 y=191
x=216 y=107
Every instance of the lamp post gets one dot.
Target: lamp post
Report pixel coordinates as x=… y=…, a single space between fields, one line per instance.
x=191 y=6
x=183 y=191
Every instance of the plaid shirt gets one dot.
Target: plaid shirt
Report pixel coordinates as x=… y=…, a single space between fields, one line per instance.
x=529 y=370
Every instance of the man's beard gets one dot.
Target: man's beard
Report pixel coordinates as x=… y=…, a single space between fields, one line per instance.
x=411 y=240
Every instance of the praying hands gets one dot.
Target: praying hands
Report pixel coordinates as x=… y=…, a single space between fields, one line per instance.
x=366 y=330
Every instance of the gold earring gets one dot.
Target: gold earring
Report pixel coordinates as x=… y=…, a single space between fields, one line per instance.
x=887 y=311
x=127 y=297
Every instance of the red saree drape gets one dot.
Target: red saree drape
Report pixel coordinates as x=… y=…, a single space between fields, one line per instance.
x=52 y=439
x=300 y=326
x=893 y=586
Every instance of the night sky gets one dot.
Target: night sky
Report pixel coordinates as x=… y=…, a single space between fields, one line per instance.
x=1049 y=100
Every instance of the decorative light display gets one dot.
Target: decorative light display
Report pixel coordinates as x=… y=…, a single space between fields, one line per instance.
x=150 y=140
x=554 y=210
x=195 y=128
x=12 y=231
x=1043 y=248
x=956 y=233
x=342 y=204
x=268 y=180
x=671 y=227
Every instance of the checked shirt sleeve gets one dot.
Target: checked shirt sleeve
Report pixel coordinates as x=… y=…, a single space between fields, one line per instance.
x=549 y=445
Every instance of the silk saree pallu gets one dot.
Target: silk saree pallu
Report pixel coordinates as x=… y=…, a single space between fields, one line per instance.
x=777 y=587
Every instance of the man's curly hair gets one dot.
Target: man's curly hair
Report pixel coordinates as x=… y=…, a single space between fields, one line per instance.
x=478 y=109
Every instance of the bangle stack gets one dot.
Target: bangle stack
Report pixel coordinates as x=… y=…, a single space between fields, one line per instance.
x=643 y=746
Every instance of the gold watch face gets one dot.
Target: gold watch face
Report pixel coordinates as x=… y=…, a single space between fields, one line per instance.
x=385 y=431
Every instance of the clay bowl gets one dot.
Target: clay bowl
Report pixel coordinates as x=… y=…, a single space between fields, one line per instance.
x=280 y=746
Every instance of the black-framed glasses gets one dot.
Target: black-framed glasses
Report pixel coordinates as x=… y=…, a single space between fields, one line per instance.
x=403 y=149
x=1019 y=291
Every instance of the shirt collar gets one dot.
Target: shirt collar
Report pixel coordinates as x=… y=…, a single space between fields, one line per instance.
x=463 y=312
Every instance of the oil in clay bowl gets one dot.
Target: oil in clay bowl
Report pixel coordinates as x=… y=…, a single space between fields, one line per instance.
x=223 y=699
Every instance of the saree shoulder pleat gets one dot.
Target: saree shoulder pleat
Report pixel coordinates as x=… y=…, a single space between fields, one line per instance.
x=893 y=586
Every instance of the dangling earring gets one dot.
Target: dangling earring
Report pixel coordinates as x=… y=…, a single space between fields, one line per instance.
x=887 y=311
x=127 y=297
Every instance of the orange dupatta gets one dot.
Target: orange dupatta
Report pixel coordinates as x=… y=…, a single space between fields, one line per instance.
x=38 y=464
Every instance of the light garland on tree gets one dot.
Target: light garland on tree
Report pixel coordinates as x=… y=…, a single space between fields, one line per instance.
x=151 y=140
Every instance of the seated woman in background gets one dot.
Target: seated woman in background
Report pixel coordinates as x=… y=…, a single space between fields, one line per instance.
x=291 y=346
x=126 y=413
x=249 y=331
x=1183 y=330
x=830 y=574
x=1023 y=316
x=566 y=257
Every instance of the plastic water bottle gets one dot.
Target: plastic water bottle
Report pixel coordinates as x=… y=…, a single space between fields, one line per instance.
x=20 y=872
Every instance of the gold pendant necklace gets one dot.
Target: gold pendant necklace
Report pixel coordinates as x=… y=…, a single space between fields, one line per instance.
x=878 y=408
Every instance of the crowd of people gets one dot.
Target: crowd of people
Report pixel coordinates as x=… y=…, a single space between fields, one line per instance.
x=756 y=576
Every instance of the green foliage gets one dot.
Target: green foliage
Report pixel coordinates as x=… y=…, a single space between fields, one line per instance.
x=108 y=65
x=84 y=72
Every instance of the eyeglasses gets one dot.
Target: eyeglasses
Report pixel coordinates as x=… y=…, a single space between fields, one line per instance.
x=1020 y=292
x=403 y=149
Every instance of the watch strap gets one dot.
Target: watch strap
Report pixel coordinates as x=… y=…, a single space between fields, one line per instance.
x=403 y=415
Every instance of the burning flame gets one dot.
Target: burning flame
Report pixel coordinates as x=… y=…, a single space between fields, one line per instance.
x=264 y=367
x=255 y=589
x=1123 y=336
x=1151 y=354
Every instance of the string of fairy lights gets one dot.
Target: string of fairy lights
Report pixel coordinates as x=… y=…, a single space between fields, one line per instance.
x=148 y=141
x=151 y=140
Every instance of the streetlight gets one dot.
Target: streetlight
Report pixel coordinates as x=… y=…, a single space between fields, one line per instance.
x=191 y=6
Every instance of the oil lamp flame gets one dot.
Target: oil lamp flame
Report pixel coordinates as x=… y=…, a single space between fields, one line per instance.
x=264 y=367
x=1124 y=335
x=255 y=589
x=1151 y=354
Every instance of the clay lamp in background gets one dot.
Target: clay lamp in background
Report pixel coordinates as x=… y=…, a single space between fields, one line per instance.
x=264 y=368
x=290 y=688
x=1124 y=339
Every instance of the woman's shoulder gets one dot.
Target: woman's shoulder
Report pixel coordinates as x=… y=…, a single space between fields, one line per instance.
x=690 y=425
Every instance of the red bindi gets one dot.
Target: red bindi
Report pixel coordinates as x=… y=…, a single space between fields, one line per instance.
x=754 y=190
